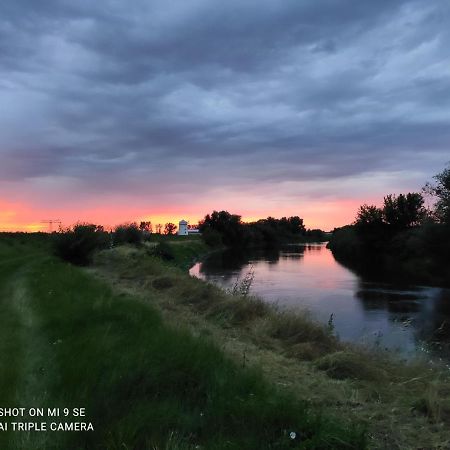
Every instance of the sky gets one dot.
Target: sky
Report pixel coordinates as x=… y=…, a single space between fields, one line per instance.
x=158 y=110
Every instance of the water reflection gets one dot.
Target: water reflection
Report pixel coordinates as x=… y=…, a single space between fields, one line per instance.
x=392 y=316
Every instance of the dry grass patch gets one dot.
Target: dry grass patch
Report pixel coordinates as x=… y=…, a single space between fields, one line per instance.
x=354 y=365
x=238 y=310
x=199 y=296
x=434 y=403
x=296 y=327
x=307 y=351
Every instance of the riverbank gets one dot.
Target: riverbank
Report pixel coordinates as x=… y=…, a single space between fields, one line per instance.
x=403 y=406
x=147 y=379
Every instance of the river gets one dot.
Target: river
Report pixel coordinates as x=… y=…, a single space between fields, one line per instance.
x=408 y=319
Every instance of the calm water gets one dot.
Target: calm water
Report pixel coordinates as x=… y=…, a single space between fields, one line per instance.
x=409 y=319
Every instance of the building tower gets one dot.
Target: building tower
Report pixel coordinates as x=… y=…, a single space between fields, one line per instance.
x=182 y=228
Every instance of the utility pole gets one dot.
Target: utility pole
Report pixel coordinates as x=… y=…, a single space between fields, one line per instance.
x=50 y=223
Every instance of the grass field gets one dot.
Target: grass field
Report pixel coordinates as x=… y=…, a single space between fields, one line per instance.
x=69 y=340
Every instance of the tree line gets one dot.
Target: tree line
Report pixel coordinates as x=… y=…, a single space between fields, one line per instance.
x=403 y=238
x=224 y=228
x=403 y=211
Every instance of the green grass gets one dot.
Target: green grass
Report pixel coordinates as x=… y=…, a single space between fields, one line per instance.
x=67 y=340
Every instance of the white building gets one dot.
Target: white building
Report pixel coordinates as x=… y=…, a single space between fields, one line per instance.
x=182 y=228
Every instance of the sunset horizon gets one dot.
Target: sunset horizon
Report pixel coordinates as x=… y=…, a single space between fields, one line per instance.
x=276 y=110
x=15 y=218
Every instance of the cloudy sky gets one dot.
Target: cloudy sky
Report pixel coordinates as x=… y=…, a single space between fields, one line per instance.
x=162 y=109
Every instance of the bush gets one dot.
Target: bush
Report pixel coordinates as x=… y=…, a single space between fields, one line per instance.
x=164 y=251
x=128 y=233
x=77 y=245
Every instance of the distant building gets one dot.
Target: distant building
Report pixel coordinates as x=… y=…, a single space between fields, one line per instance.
x=185 y=230
x=182 y=228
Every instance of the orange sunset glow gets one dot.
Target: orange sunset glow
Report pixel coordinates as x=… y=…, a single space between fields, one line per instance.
x=24 y=217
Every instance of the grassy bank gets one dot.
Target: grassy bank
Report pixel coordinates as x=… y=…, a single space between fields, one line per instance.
x=404 y=406
x=182 y=250
x=69 y=340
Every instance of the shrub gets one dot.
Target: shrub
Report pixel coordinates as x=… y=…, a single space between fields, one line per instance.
x=78 y=244
x=164 y=251
x=128 y=233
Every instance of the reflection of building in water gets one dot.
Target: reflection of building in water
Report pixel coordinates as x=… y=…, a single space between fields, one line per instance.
x=184 y=229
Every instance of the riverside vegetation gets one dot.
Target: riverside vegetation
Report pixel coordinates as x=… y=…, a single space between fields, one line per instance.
x=222 y=227
x=161 y=360
x=403 y=240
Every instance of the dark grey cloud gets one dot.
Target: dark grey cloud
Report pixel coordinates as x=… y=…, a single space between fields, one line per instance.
x=119 y=95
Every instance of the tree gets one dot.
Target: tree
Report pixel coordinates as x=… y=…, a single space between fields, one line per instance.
x=369 y=215
x=441 y=190
x=229 y=226
x=127 y=233
x=170 y=228
x=146 y=227
x=221 y=221
x=404 y=211
x=316 y=234
x=370 y=228
x=296 y=225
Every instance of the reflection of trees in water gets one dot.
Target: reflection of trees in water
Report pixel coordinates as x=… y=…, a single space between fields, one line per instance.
x=392 y=301
x=287 y=256
x=295 y=252
x=228 y=263
x=426 y=310
x=223 y=265
x=314 y=247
